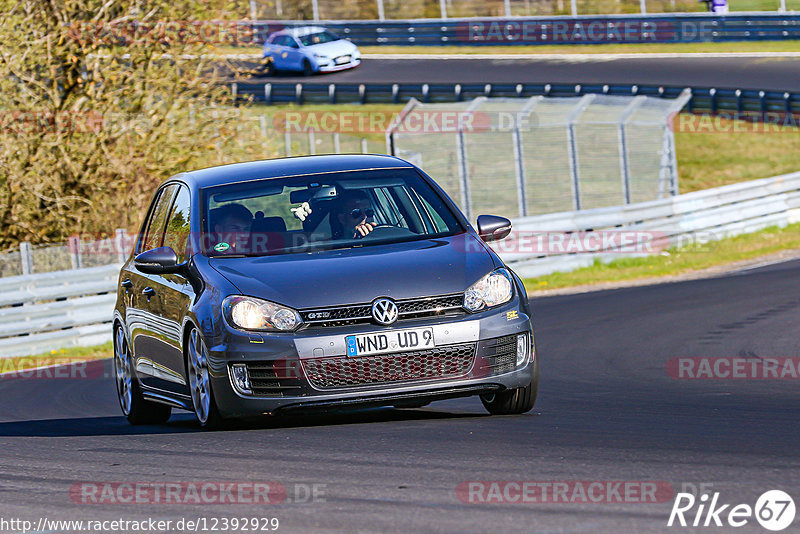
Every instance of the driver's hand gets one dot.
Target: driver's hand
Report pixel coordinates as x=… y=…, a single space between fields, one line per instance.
x=302 y=211
x=363 y=228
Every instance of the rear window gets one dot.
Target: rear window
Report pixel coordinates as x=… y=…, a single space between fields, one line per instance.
x=303 y=214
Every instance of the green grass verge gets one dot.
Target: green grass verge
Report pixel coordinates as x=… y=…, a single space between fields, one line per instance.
x=713 y=152
x=678 y=260
x=57 y=357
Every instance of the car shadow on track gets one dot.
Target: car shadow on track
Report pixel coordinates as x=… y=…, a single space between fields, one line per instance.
x=186 y=423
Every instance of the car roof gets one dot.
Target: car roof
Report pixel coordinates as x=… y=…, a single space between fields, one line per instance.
x=301 y=30
x=283 y=167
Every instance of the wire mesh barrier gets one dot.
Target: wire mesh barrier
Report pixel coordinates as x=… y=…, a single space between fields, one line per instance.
x=422 y=9
x=520 y=157
x=76 y=253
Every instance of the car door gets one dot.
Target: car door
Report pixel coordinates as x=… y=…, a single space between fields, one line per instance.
x=144 y=324
x=294 y=56
x=170 y=297
x=285 y=53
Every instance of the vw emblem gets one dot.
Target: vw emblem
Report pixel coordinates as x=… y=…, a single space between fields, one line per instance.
x=384 y=311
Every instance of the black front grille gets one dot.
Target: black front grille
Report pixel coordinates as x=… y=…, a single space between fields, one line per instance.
x=362 y=313
x=499 y=355
x=449 y=361
x=275 y=378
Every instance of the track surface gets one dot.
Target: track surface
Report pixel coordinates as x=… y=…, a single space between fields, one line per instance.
x=745 y=73
x=606 y=411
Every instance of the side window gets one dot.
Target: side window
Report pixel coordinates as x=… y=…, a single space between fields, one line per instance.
x=291 y=43
x=438 y=222
x=158 y=219
x=177 y=232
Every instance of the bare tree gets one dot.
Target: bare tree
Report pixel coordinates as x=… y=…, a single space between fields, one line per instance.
x=100 y=100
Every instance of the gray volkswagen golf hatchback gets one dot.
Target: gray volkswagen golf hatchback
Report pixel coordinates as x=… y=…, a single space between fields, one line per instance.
x=316 y=283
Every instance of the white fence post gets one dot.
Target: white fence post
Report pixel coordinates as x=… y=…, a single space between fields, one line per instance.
x=463 y=174
x=74 y=247
x=519 y=168
x=26 y=257
x=312 y=142
x=443 y=8
x=624 y=160
x=315 y=8
x=121 y=244
x=782 y=9
x=572 y=148
x=507 y=7
x=574 y=7
x=380 y=10
x=337 y=148
x=253 y=10
x=643 y=6
x=287 y=141
x=364 y=147
x=262 y=123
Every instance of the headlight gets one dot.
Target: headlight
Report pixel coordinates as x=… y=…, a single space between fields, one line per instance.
x=250 y=313
x=492 y=290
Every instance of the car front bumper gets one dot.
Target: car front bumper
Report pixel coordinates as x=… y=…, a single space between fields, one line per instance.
x=309 y=369
x=331 y=67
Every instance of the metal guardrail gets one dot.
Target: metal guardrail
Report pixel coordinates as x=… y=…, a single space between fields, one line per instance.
x=382 y=9
x=584 y=29
x=704 y=99
x=54 y=310
x=40 y=312
x=712 y=214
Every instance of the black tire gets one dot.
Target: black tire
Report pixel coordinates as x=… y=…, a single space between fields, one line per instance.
x=514 y=401
x=139 y=411
x=308 y=70
x=268 y=67
x=208 y=417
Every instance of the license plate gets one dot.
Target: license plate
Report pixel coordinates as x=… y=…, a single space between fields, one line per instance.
x=389 y=341
x=342 y=60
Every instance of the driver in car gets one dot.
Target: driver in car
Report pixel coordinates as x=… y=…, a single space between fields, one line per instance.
x=353 y=214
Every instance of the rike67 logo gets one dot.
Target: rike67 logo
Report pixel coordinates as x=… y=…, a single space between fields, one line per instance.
x=774 y=510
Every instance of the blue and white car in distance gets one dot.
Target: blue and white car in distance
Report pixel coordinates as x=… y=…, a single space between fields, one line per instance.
x=310 y=49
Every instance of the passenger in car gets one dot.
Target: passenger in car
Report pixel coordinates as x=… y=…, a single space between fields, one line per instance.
x=231 y=224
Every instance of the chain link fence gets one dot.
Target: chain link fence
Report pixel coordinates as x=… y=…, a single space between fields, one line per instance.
x=521 y=157
x=76 y=253
x=418 y=9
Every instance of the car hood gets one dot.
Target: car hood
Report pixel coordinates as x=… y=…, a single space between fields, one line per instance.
x=333 y=48
x=359 y=275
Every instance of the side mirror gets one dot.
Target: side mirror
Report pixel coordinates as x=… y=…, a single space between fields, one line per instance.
x=159 y=260
x=493 y=228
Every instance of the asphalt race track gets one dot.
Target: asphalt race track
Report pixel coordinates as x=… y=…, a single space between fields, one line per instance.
x=772 y=74
x=607 y=411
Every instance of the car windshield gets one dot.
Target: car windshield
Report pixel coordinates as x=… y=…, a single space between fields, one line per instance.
x=324 y=36
x=319 y=212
